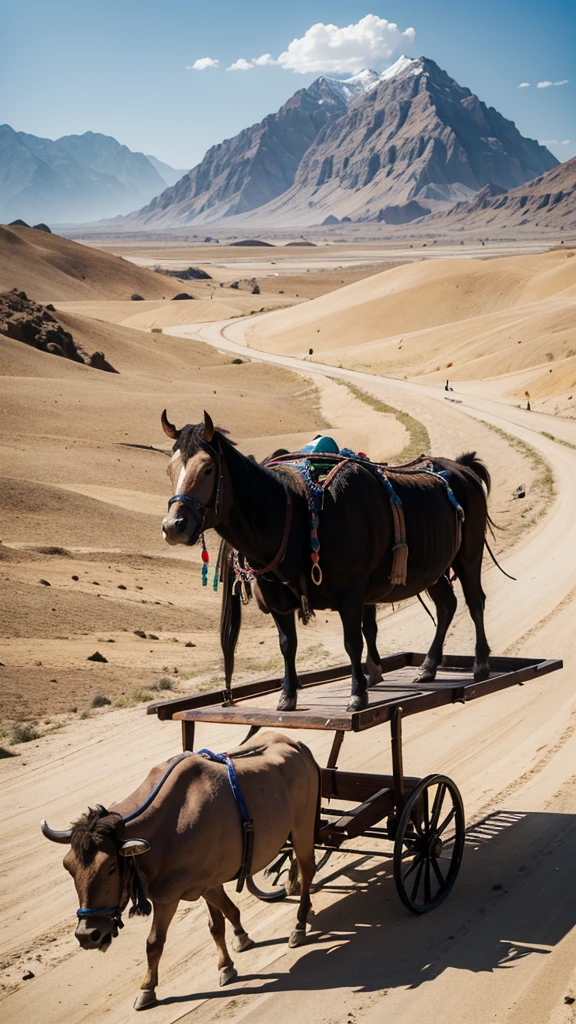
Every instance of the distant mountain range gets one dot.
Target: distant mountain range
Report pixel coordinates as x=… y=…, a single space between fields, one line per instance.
x=547 y=201
x=75 y=178
x=391 y=147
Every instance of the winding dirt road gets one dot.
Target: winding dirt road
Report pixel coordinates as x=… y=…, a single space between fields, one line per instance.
x=503 y=946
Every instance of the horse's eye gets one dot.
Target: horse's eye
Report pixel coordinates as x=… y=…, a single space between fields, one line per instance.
x=208 y=471
x=112 y=869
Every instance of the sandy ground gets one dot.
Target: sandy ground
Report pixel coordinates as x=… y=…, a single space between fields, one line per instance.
x=502 y=946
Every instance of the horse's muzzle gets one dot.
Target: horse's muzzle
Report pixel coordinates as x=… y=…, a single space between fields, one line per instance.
x=180 y=528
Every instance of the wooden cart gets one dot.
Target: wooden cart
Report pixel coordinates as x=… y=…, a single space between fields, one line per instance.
x=423 y=819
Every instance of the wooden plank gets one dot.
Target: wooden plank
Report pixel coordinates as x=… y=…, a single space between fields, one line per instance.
x=357 y=820
x=326 y=708
x=344 y=785
x=165 y=708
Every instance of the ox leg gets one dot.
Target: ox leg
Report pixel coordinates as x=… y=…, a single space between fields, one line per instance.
x=286 y=626
x=444 y=598
x=303 y=843
x=470 y=579
x=370 y=630
x=163 y=914
x=351 y=615
x=219 y=904
x=218 y=897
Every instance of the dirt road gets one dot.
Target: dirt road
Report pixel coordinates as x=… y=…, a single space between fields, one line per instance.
x=503 y=945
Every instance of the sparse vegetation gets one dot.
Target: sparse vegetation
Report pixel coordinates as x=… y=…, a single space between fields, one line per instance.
x=162 y=684
x=558 y=440
x=419 y=442
x=24 y=732
x=156 y=330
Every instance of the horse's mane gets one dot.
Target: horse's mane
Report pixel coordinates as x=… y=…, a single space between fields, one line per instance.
x=91 y=831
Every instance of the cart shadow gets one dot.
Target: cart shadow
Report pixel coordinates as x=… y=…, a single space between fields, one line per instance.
x=514 y=898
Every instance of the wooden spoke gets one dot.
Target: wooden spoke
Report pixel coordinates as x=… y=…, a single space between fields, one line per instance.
x=421 y=881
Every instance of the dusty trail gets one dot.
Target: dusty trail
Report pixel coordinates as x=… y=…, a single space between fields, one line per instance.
x=501 y=947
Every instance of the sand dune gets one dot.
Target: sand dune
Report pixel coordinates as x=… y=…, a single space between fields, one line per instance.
x=49 y=267
x=465 y=319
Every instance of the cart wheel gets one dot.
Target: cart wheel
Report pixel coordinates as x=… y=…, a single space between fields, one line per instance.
x=271 y=884
x=429 y=844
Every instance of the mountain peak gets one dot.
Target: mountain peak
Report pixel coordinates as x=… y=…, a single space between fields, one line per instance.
x=403 y=66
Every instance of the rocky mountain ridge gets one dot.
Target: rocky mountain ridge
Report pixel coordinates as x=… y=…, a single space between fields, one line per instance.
x=71 y=179
x=363 y=149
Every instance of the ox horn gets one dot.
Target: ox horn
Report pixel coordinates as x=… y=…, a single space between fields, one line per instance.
x=54 y=834
x=169 y=428
x=209 y=428
x=134 y=847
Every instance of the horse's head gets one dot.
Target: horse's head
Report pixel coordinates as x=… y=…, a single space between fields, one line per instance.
x=194 y=471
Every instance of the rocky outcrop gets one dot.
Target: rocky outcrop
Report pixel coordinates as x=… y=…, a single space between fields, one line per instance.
x=190 y=274
x=246 y=284
x=546 y=202
x=36 y=325
x=403 y=214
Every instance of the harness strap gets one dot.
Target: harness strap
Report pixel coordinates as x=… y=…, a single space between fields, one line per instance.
x=247 y=821
x=245 y=574
x=399 y=567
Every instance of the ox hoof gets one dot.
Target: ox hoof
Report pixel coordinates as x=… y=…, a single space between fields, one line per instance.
x=298 y=938
x=287 y=704
x=145 y=998
x=242 y=942
x=226 y=975
x=357 y=702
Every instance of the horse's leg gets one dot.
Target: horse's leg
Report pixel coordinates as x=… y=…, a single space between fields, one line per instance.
x=220 y=899
x=351 y=615
x=444 y=598
x=286 y=626
x=163 y=914
x=469 y=574
x=370 y=630
x=226 y=969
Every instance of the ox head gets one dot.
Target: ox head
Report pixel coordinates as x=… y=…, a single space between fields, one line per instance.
x=194 y=472
x=97 y=862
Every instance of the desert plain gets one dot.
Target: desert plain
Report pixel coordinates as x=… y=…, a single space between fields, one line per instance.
x=355 y=340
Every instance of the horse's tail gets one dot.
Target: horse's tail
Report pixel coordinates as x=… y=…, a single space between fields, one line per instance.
x=471 y=460
x=230 y=615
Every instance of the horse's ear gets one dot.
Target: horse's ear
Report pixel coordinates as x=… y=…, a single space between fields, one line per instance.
x=169 y=428
x=208 y=427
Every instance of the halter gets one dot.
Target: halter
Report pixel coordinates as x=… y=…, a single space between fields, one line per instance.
x=214 y=501
x=140 y=904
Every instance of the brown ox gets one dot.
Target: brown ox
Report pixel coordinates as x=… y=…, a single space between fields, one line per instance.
x=188 y=842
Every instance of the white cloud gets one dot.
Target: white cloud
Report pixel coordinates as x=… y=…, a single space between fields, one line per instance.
x=565 y=142
x=546 y=85
x=548 y=142
x=240 y=65
x=264 y=61
x=203 y=63
x=563 y=82
x=524 y=85
x=368 y=43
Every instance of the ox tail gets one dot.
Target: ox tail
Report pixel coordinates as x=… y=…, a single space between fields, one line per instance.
x=230 y=614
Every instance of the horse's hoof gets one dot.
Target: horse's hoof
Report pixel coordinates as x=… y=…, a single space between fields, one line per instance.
x=481 y=673
x=426 y=676
x=227 y=974
x=357 y=702
x=298 y=938
x=287 y=704
x=145 y=999
x=375 y=677
x=242 y=942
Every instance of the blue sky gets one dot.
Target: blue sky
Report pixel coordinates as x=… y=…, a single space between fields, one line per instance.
x=124 y=68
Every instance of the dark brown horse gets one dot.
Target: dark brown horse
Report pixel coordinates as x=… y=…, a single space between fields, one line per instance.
x=264 y=514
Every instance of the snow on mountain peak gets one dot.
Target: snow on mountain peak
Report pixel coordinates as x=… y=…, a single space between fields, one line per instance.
x=404 y=65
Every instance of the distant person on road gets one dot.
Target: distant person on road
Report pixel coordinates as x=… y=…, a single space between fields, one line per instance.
x=447 y=386
x=528 y=406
